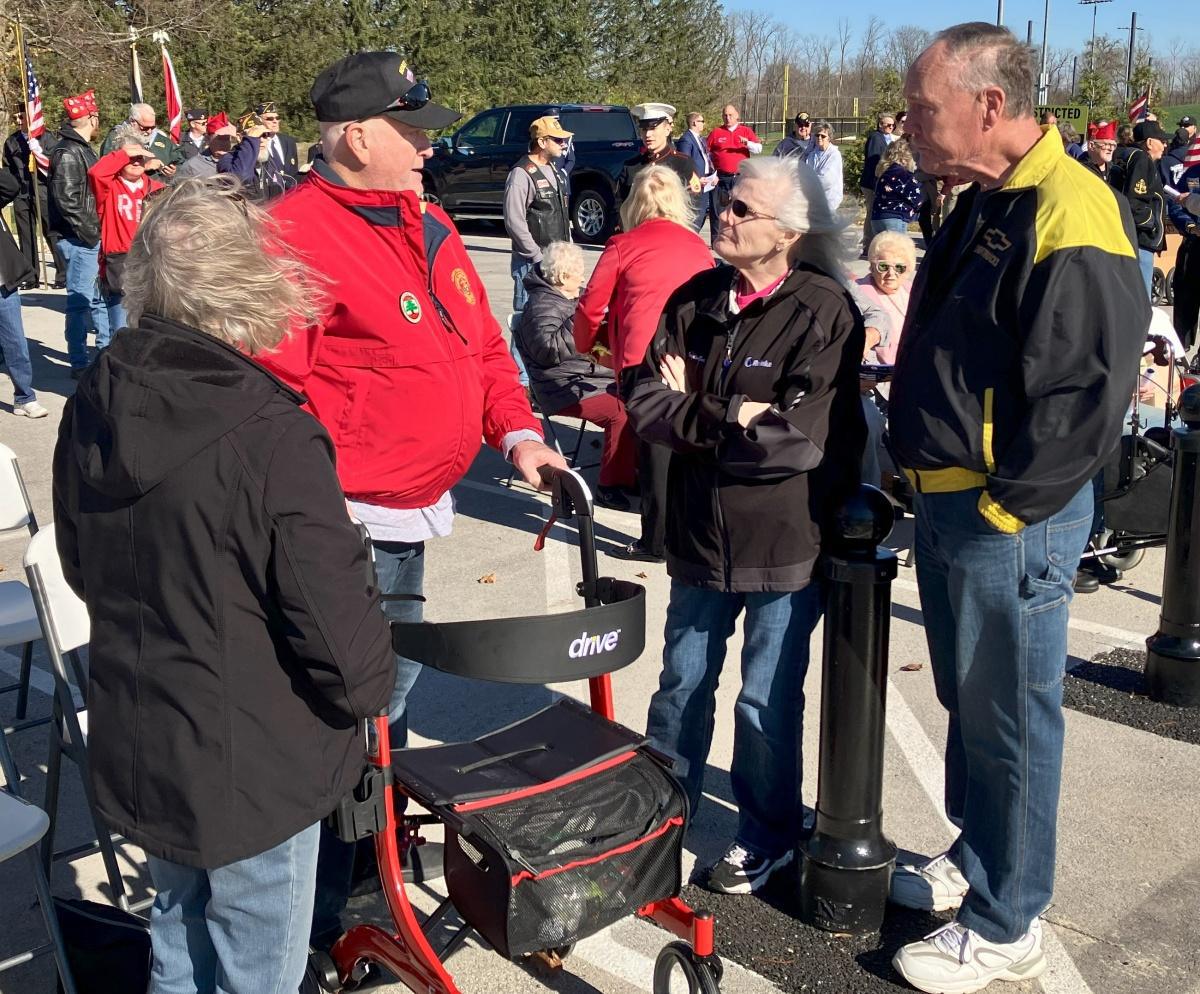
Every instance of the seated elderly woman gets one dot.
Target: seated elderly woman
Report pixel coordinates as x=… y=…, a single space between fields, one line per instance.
x=752 y=381
x=237 y=642
x=562 y=380
x=884 y=291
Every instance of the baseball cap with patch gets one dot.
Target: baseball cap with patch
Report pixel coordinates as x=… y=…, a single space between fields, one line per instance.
x=373 y=84
x=548 y=127
x=803 y=118
x=197 y=114
x=1186 y=121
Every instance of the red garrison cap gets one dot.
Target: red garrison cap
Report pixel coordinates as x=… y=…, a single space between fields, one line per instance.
x=81 y=105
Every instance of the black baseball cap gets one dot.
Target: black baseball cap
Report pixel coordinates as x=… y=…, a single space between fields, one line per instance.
x=197 y=114
x=802 y=118
x=371 y=84
x=1186 y=121
x=1150 y=129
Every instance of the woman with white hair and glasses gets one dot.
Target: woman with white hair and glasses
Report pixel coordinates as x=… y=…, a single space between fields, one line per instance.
x=825 y=159
x=752 y=381
x=237 y=641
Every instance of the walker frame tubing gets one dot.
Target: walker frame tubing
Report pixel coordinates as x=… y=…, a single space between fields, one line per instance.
x=407 y=952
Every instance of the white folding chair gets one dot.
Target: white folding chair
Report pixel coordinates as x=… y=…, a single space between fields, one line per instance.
x=67 y=629
x=22 y=826
x=18 y=618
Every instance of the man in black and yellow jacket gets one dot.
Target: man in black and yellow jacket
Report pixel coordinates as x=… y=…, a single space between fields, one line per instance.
x=1016 y=365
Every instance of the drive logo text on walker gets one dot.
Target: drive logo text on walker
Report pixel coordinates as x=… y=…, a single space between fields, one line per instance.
x=591 y=645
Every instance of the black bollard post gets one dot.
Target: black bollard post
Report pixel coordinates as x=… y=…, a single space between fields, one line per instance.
x=1173 y=652
x=846 y=866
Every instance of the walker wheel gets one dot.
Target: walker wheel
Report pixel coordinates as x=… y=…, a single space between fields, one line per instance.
x=320 y=975
x=1124 y=561
x=678 y=970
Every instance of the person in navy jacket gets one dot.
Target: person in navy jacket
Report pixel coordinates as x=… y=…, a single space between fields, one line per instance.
x=691 y=143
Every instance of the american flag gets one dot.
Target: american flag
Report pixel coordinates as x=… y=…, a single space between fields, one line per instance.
x=36 y=126
x=1139 y=108
x=1192 y=156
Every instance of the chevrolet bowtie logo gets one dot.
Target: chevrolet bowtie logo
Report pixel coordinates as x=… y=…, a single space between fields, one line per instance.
x=996 y=240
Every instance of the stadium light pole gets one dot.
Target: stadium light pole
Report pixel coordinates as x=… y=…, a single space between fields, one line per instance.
x=1094 y=4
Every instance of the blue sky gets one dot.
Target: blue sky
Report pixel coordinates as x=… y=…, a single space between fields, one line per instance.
x=1070 y=23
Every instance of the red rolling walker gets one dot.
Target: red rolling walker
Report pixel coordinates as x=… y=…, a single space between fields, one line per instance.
x=556 y=826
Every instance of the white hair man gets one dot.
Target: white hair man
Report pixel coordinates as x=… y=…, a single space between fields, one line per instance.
x=408 y=369
x=1028 y=294
x=158 y=143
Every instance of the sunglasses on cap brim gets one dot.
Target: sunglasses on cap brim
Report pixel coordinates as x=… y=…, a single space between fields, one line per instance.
x=414 y=98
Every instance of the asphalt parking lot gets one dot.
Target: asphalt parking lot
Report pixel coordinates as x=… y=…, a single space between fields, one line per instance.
x=1126 y=914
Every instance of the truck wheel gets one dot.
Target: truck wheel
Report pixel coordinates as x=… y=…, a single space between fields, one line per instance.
x=592 y=216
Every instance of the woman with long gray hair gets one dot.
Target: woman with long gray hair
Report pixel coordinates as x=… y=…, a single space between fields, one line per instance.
x=237 y=642
x=752 y=381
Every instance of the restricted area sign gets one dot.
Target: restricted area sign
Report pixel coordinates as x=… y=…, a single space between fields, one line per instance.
x=1075 y=115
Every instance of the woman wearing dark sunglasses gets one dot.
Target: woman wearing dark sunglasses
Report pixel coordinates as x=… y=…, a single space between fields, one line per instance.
x=752 y=382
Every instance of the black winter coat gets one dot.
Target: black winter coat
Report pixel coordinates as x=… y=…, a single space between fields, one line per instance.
x=72 y=203
x=1143 y=188
x=236 y=641
x=745 y=508
x=558 y=374
x=14 y=267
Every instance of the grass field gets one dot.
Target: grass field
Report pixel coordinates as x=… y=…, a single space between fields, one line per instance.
x=1172 y=114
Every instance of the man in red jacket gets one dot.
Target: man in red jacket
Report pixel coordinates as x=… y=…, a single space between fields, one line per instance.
x=408 y=368
x=730 y=144
x=120 y=184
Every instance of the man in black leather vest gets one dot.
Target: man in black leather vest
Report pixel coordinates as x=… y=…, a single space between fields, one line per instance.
x=535 y=202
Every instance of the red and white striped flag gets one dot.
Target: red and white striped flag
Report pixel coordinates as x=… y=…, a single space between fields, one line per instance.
x=1192 y=156
x=36 y=123
x=174 y=99
x=1138 y=109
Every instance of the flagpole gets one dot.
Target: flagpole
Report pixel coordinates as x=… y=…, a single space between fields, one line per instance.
x=33 y=166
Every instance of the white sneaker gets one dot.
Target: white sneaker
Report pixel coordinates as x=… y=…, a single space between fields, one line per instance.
x=955 y=960
x=934 y=886
x=30 y=410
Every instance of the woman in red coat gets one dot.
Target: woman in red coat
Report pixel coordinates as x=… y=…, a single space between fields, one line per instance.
x=638 y=270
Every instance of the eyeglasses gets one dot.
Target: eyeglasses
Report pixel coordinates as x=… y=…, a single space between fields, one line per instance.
x=146 y=128
x=137 y=160
x=883 y=268
x=556 y=139
x=741 y=209
x=887 y=127
x=1105 y=146
x=270 y=117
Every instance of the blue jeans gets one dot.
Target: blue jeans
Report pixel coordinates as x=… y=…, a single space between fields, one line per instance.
x=888 y=224
x=400 y=567
x=15 y=347
x=995 y=610
x=239 y=929
x=519 y=267
x=83 y=297
x=769 y=713
x=1146 y=261
x=117 y=316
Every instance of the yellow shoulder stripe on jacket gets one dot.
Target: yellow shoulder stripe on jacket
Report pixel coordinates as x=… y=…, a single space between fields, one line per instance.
x=1077 y=209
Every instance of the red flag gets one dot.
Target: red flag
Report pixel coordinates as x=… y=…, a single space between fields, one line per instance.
x=174 y=99
x=1192 y=156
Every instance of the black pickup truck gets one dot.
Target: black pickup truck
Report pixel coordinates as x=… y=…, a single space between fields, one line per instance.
x=467 y=172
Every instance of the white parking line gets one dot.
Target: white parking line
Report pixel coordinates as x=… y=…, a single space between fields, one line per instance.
x=1117 y=636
